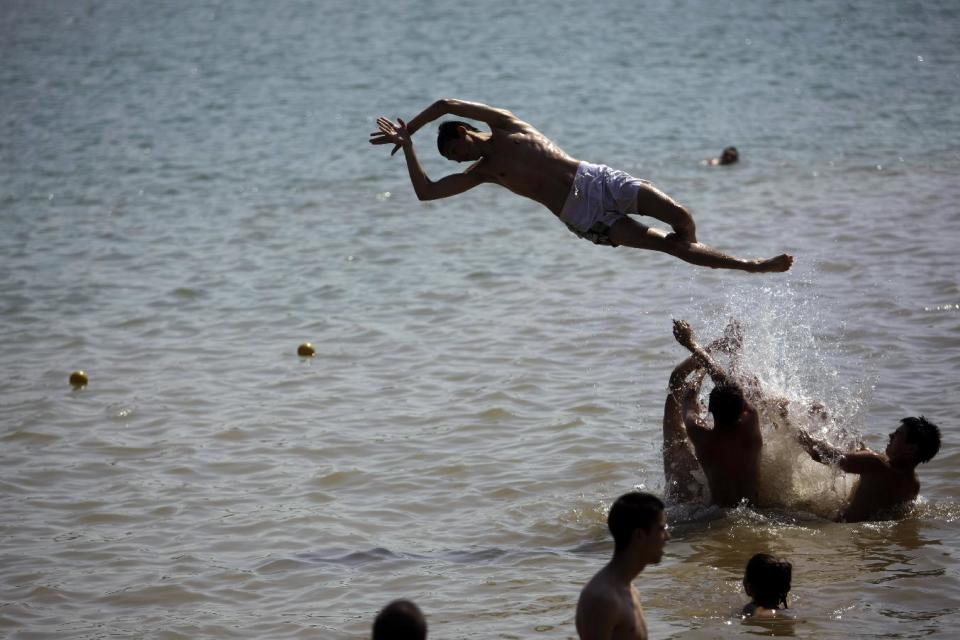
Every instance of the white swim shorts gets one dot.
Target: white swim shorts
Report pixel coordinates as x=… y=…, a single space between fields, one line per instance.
x=599 y=197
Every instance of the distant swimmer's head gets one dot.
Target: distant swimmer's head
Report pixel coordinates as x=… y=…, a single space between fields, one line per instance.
x=916 y=440
x=638 y=525
x=400 y=620
x=767 y=580
x=730 y=155
x=726 y=404
x=454 y=142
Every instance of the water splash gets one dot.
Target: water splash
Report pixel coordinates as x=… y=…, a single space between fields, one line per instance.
x=796 y=358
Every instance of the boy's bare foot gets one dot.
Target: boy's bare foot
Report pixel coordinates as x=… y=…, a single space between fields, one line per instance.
x=778 y=264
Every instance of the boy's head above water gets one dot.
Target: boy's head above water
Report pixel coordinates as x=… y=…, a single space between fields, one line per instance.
x=726 y=404
x=454 y=143
x=767 y=581
x=637 y=523
x=916 y=440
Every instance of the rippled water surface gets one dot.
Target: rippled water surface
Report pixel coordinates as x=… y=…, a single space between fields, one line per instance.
x=188 y=194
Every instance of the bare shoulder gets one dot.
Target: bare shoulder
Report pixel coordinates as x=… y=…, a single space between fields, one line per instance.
x=597 y=589
x=698 y=430
x=599 y=609
x=512 y=126
x=599 y=595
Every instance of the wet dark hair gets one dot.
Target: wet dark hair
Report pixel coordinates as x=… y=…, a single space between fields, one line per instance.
x=631 y=511
x=400 y=620
x=769 y=579
x=448 y=132
x=726 y=403
x=729 y=155
x=924 y=434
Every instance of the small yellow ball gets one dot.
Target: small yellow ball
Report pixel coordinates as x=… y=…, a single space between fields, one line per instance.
x=306 y=350
x=79 y=379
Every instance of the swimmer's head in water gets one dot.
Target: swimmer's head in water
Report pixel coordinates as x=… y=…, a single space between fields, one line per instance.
x=767 y=580
x=916 y=436
x=726 y=404
x=451 y=138
x=632 y=511
x=729 y=155
x=400 y=620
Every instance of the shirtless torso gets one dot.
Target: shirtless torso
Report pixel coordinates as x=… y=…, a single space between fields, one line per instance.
x=535 y=167
x=728 y=453
x=730 y=458
x=879 y=494
x=609 y=605
x=887 y=481
x=881 y=488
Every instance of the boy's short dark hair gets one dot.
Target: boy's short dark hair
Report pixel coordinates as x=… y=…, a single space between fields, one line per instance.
x=924 y=434
x=729 y=155
x=769 y=580
x=400 y=620
x=631 y=511
x=448 y=132
x=726 y=403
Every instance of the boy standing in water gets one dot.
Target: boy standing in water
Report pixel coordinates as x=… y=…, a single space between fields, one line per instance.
x=887 y=481
x=594 y=201
x=609 y=606
x=679 y=460
x=729 y=452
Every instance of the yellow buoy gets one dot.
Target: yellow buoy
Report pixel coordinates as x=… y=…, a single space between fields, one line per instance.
x=306 y=350
x=79 y=379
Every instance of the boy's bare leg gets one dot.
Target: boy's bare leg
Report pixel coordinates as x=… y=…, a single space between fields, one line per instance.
x=630 y=233
x=656 y=204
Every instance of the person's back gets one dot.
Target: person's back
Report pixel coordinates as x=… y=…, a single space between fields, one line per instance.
x=730 y=452
x=730 y=459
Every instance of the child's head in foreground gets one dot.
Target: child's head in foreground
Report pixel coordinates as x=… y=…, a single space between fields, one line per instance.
x=767 y=581
x=400 y=620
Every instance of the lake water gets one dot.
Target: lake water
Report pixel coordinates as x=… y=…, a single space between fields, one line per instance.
x=188 y=194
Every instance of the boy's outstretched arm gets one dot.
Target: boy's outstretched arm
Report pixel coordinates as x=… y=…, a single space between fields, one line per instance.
x=819 y=450
x=684 y=394
x=426 y=189
x=858 y=462
x=499 y=118
x=684 y=335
